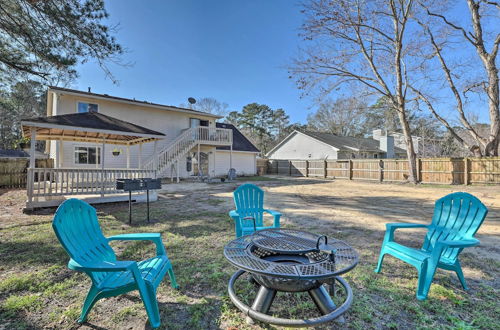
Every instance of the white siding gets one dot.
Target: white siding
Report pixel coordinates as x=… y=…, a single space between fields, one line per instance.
x=171 y=123
x=243 y=162
x=301 y=146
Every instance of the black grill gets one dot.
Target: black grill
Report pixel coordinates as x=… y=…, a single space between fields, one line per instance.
x=139 y=184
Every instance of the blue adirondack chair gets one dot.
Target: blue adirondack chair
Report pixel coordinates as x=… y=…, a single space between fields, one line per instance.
x=457 y=217
x=76 y=226
x=249 y=214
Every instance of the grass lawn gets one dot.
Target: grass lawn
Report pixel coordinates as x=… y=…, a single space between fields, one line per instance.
x=38 y=291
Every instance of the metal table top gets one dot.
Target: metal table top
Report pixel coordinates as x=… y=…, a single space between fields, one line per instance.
x=248 y=253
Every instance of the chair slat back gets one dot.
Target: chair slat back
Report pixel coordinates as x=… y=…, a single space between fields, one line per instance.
x=249 y=202
x=456 y=216
x=77 y=228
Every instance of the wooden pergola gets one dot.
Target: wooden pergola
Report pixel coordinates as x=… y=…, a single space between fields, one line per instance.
x=84 y=127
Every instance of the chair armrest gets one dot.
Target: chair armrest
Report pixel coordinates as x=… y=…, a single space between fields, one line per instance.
x=460 y=243
x=273 y=213
x=154 y=237
x=104 y=266
x=276 y=216
x=394 y=226
x=391 y=228
x=233 y=214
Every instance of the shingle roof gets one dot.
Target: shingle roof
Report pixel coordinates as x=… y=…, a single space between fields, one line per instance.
x=349 y=142
x=123 y=99
x=94 y=120
x=240 y=142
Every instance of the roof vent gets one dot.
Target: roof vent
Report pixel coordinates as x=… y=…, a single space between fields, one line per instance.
x=89 y=90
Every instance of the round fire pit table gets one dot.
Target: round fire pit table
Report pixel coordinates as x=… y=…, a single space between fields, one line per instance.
x=291 y=261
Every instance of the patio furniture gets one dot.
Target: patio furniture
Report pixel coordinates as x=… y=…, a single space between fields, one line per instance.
x=77 y=228
x=457 y=217
x=291 y=261
x=249 y=213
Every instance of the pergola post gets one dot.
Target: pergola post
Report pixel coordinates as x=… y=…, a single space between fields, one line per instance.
x=31 y=171
x=128 y=156
x=61 y=154
x=140 y=155
x=103 y=181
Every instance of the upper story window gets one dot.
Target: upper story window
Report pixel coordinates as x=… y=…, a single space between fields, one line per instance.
x=87 y=155
x=87 y=107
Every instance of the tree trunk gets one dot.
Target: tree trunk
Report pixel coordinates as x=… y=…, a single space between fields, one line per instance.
x=410 y=150
x=491 y=148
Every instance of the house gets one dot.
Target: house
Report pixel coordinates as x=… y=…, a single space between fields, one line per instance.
x=95 y=139
x=317 y=145
x=216 y=158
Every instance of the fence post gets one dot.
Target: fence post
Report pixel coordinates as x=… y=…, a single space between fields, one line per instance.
x=419 y=170
x=325 y=167
x=350 y=169
x=307 y=168
x=381 y=170
x=466 y=171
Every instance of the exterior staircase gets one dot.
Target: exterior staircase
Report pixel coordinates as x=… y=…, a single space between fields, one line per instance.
x=168 y=158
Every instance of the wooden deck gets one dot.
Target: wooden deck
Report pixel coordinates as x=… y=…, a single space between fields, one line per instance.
x=48 y=187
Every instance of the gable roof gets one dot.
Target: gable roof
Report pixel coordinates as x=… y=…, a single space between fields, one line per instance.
x=89 y=126
x=240 y=141
x=344 y=143
x=130 y=101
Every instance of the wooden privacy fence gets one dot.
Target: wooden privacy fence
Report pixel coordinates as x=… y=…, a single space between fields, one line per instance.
x=13 y=171
x=430 y=170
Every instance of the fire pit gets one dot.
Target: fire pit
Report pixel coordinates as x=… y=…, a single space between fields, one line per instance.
x=291 y=261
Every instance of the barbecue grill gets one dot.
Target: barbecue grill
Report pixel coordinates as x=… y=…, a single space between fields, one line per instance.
x=140 y=184
x=291 y=261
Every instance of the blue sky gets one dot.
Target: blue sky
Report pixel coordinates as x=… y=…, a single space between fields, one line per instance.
x=233 y=50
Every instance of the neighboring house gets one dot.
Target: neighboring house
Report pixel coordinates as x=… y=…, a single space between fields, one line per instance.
x=315 y=145
x=174 y=122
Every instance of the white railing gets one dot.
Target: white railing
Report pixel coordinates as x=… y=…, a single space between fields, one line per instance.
x=213 y=135
x=47 y=182
x=181 y=145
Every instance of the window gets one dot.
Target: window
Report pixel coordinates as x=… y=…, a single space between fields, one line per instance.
x=87 y=107
x=87 y=155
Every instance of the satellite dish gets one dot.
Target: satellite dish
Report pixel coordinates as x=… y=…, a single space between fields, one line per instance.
x=191 y=100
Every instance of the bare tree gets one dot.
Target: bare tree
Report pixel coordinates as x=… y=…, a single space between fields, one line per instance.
x=344 y=117
x=445 y=33
x=364 y=43
x=210 y=105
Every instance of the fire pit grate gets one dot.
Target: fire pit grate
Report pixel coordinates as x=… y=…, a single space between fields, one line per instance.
x=251 y=254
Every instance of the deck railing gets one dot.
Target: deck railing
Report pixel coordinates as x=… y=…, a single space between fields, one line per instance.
x=48 y=182
x=212 y=135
